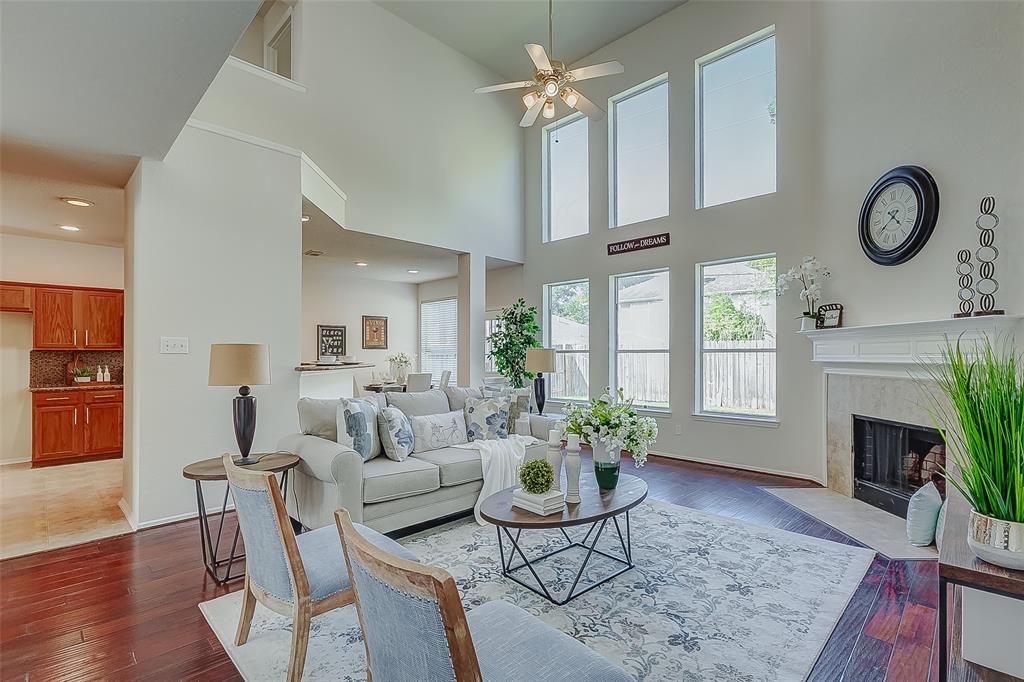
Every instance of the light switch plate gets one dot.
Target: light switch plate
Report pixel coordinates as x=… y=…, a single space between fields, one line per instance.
x=173 y=344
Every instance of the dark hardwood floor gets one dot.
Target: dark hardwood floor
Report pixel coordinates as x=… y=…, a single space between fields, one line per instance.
x=126 y=607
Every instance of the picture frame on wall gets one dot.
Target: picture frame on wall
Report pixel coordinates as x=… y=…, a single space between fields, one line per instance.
x=830 y=316
x=330 y=341
x=375 y=332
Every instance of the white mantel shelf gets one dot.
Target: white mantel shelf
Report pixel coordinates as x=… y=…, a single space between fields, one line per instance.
x=901 y=347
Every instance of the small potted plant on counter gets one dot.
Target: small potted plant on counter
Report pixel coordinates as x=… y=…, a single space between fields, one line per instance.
x=82 y=375
x=809 y=274
x=983 y=426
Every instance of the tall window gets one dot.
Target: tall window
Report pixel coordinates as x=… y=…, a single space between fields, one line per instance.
x=439 y=338
x=641 y=325
x=736 y=317
x=567 y=330
x=639 y=144
x=566 y=179
x=736 y=114
x=491 y=325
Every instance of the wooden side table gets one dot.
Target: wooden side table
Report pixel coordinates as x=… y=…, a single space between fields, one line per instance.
x=213 y=470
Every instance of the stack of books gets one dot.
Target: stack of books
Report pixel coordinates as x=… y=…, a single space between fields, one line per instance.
x=551 y=502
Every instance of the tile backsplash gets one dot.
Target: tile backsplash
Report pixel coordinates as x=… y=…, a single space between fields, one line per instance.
x=49 y=367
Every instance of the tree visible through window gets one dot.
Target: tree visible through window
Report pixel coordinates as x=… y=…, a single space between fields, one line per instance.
x=567 y=330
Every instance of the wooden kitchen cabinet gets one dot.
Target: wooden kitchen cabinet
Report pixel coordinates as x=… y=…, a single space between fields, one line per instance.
x=101 y=318
x=15 y=298
x=103 y=428
x=76 y=425
x=70 y=318
x=55 y=428
x=53 y=319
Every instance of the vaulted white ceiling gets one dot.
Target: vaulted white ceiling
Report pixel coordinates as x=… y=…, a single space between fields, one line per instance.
x=492 y=32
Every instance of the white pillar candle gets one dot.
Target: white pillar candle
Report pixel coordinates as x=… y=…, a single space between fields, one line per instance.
x=572 y=441
x=554 y=437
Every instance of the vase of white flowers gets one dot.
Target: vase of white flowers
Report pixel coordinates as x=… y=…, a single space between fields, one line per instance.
x=610 y=425
x=400 y=364
x=809 y=274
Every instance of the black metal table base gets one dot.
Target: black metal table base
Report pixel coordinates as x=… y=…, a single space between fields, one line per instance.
x=211 y=547
x=509 y=570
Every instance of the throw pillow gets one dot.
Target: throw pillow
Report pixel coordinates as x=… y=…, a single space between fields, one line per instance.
x=436 y=431
x=319 y=417
x=923 y=515
x=519 y=402
x=487 y=418
x=457 y=396
x=396 y=436
x=940 y=525
x=357 y=426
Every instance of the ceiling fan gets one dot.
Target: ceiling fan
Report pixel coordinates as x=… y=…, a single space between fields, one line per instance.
x=551 y=80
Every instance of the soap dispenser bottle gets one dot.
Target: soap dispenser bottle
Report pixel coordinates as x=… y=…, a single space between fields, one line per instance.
x=99 y=373
x=106 y=373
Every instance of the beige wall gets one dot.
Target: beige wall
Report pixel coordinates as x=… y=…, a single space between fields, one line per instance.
x=504 y=286
x=55 y=261
x=15 y=400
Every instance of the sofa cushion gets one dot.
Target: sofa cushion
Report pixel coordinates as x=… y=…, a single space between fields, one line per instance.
x=319 y=417
x=457 y=396
x=357 y=426
x=436 y=431
x=396 y=437
x=457 y=465
x=420 y=403
x=487 y=418
x=386 y=479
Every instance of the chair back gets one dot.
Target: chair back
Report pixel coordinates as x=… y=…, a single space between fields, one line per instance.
x=271 y=554
x=446 y=376
x=414 y=626
x=418 y=382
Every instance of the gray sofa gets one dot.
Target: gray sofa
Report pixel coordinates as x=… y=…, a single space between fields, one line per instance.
x=381 y=493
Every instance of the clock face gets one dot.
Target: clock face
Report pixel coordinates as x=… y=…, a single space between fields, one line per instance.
x=892 y=216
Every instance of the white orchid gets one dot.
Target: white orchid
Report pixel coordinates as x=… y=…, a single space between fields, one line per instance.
x=614 y=422
x=809 y=273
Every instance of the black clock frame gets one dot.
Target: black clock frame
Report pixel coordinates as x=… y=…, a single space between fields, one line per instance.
x=923 y=185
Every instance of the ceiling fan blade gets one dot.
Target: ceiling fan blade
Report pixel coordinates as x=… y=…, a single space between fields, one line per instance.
x=532 y=113
x=505 y=86
x=539 y=56
x=596 y=71
x=589 y=109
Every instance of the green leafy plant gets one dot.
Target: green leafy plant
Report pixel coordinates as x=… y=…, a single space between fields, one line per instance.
x=516 y=330
x=723 y=321
x=536 y=476
x=614 y=422
x=82 y=372
x=983 y=426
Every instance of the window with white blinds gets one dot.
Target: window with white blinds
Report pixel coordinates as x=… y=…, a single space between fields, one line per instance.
x=439 y=338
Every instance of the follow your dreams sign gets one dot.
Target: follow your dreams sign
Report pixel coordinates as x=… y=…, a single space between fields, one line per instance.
x=638 y=244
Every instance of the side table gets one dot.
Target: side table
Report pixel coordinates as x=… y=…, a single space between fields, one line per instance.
x=213 y=470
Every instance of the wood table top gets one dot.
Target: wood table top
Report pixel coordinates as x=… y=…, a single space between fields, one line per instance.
x=595 y=504
x=213 y=469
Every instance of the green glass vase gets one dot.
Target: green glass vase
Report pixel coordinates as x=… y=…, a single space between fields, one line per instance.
x=606 y=466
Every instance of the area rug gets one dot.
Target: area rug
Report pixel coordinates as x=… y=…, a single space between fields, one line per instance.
x=881 y=531
x=710 y=598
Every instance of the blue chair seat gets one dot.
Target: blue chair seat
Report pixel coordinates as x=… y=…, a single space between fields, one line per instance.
x=512 y=646
x=324 y=559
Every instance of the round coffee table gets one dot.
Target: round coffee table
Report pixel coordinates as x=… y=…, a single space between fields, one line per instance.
x=596 y=508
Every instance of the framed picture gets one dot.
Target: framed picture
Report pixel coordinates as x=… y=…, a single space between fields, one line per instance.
x=375 y=332
x=330 y=340
x=829 y=316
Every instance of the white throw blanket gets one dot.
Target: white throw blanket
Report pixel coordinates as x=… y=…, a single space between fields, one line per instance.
x=500 y=459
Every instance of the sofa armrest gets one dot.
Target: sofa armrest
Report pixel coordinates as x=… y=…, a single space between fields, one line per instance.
x=540 y=425
x=329 y=462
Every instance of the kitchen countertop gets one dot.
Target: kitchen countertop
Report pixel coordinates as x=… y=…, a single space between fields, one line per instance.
x=89 y=386
x=331 y=368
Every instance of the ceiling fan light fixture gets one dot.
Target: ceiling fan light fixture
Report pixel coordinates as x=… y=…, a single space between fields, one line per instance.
x=551 y=87
x=570 y=97
x=530 y=98
x=549 y=109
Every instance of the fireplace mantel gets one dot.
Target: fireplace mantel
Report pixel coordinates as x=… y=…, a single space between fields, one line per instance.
x=900 y=349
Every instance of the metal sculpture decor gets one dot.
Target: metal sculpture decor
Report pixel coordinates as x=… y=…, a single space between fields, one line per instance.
x=965 y=269
x=987 y=285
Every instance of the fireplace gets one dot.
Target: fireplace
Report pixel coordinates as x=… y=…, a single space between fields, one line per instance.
x=891 y=460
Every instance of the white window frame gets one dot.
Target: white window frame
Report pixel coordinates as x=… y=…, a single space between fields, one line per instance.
x=613 y=180
x=419 y=319
x=270 y=48
x=489 y=316
x=547 y=332
x=698 y=402
x=698 y=118
x=613 y=334
x=545 y=164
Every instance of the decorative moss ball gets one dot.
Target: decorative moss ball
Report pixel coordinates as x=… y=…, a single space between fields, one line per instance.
x=536 y=476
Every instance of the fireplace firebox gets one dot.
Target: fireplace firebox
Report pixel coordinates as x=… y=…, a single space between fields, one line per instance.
x=891 y=460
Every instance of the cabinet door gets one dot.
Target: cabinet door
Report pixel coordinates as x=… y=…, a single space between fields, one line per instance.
x=15 y=298
x=103 y=428
x=55 y=428
x=53 y=321
x=102 y=319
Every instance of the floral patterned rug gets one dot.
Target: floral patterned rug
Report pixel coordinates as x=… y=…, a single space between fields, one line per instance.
x=710 y=598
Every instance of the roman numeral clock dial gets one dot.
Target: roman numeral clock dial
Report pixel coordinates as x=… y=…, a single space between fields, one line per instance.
x=899 y=215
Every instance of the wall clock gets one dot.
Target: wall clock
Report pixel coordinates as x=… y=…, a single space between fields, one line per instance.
x=898 y=215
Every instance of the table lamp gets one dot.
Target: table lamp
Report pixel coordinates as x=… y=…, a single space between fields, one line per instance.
x=538 y=361
x=242 y=365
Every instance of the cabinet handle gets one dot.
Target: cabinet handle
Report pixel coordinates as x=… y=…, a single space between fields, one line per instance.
x=87 y=415
x=86 y=337
x=75 y=422
x=74 y=337
x=105 y=395
x=64 y=398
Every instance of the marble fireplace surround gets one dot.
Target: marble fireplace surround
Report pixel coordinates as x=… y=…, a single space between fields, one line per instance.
x=876 y=371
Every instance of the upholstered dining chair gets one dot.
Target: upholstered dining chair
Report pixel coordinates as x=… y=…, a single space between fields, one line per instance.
x=414 y=627
x=298 y=576
x=446 y=376
x=418 y=382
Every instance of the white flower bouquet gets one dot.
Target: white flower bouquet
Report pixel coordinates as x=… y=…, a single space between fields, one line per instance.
x=400 y=360
x=809 y=274
x=614 y=422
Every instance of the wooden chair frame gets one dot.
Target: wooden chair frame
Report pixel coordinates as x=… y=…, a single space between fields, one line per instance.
x=303 y=609
x=427 y=582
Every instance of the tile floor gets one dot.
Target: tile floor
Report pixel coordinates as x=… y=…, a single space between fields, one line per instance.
x=58 y=506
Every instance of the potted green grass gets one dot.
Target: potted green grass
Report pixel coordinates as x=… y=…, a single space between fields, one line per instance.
x=983 y=426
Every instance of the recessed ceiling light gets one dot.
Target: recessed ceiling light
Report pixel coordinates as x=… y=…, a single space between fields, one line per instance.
x=75 y=201
x=361 y=264
x=413 y=272
x=70 y=228
x=305 y=218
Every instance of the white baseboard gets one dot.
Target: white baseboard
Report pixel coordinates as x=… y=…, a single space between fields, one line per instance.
x=21 y=460
x=179 y=517
x=741 y=467
x=129 y=513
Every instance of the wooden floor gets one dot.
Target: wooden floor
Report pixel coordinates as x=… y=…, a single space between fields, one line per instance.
x=125 y=607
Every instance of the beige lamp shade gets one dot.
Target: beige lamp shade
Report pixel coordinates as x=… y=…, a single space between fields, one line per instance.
x=540 y=360
x=239 y=364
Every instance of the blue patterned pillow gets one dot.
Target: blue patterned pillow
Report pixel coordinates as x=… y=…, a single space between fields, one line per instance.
x=487 y=418
x=395 y=433
x=357 y=427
